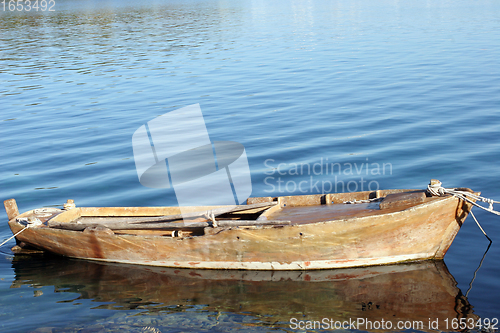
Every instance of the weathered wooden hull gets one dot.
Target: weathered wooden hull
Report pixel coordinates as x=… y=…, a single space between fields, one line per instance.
x=422 y=231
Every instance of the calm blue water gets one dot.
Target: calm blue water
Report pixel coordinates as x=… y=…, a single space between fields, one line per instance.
x=413 y=86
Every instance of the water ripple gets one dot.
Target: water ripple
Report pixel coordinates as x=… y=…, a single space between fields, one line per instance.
x=415 y=85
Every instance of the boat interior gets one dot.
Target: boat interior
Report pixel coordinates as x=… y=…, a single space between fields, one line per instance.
x=260 y=212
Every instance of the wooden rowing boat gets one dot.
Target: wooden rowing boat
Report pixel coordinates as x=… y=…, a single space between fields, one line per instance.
x=302 y=232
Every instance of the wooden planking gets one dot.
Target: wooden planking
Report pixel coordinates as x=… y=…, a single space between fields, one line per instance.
x=251 y=201
x=73 y=214
x=187 y=225
x=402 y=199
x=68 y=215
x=301 y=200
x=203 y=215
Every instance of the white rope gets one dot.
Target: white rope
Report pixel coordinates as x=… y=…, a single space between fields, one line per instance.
x=438 y=190
x=214 y=222
x=471 y=213
x=17 y=233
x=362 y=201
x=33 y=222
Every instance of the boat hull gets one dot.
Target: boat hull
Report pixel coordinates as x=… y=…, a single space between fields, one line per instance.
x=420 y=232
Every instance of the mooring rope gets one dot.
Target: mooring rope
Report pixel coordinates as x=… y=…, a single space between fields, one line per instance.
x=17 y=233
x=30 y=224
x=471 y=213
x=438 y=190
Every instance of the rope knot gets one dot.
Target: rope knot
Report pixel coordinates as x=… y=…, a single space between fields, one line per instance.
x=435 y=188
x=489 y=202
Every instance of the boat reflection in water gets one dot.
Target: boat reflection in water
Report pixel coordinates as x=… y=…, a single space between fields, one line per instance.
x=409 y=292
